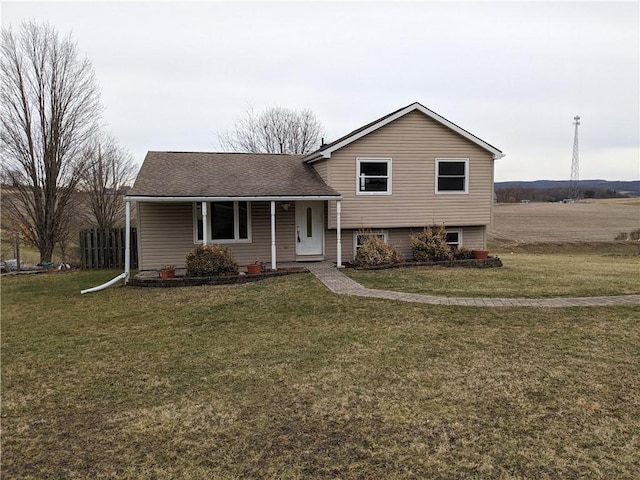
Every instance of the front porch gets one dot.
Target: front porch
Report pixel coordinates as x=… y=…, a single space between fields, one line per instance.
x=274 y=231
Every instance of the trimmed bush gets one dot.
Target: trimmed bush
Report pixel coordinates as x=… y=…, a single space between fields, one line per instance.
x=430 y=245
x=211 y=260
x=374 y=251
x=462 y=254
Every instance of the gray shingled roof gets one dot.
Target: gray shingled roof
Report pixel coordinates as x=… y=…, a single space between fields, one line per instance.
x=193 y=174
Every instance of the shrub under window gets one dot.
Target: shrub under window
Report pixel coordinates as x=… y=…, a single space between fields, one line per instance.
x=430 y=245
x=211 y=260
x=374 y=251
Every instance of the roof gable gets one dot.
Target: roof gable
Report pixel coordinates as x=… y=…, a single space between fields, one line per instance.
x=325 y=151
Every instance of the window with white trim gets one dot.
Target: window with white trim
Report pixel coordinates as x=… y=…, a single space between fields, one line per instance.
x=373 y=176
x=454 y=238
x=229 y=222
x=452 y=175
x=358 y=238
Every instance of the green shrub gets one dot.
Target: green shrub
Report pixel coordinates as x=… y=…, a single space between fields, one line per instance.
x=430 y=245
x=374 y=251
x=211 y=260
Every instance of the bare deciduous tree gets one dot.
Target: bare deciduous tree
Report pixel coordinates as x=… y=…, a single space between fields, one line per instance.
x=49 y=109
x=275 y=130
x=109 y=169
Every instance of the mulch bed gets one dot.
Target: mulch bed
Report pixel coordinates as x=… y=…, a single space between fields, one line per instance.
x=491 y=262
x=184 y=281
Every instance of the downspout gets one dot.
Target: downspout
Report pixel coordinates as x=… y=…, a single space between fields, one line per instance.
x=122 y=276
x=127 y=256
x=127 y=241
x=338 y=235
x=273 y=235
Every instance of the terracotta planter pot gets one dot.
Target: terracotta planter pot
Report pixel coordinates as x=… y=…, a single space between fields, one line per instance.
x=254 y=268
x=167 y=273
x=480 y=254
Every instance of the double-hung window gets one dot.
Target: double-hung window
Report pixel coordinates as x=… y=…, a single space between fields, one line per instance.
x=452 y=175
x=454 y=238
x=228 y=222
x=373 y=176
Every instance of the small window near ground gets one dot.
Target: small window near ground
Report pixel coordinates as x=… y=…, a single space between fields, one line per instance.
x=373 y=176
x=452 y=175
x=454 y=238
x=358 y=238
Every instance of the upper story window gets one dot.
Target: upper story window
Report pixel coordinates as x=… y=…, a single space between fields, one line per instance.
x=228 y=222
x=373 y=176
x=452 y=175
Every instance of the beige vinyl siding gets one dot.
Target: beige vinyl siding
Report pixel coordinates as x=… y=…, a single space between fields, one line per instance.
x=322 y=167
x=472 y=237
x=260 y=248
x=413 y=142
x=166 y=234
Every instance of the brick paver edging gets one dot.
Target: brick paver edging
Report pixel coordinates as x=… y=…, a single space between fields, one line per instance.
x=339 y=283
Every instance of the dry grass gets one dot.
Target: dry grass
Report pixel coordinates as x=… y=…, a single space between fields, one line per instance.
x=588 y=270
x=281 y=379
x=595 y=221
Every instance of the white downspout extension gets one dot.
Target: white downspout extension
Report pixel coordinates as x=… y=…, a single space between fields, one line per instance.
x=127 y=255
x=273 y=235
x=205 y=223
x=338 y=235
x=127 y=241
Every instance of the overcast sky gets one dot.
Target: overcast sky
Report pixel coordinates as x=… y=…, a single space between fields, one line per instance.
x=174 y=74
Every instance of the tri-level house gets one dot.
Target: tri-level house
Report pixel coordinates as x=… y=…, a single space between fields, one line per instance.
x=403 y=171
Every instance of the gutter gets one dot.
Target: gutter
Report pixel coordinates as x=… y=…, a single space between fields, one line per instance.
x=143 y=198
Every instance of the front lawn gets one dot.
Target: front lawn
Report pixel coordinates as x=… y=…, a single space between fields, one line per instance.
x=529 y=275
x=282 y=379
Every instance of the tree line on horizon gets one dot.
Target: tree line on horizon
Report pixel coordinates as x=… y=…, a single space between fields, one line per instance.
x=517 y=194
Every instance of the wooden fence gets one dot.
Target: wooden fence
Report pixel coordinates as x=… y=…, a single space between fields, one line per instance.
x=104 y=248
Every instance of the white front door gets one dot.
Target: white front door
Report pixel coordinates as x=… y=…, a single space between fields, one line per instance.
x=309 y=228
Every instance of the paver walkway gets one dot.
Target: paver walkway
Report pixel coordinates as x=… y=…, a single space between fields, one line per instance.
x=339 y=283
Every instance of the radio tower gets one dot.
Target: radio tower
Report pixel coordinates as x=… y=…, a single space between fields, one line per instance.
x=574 y=188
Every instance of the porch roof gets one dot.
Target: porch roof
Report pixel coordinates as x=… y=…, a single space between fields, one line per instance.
x=201 y=175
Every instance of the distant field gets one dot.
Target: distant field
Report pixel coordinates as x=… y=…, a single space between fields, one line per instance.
x=596 y=221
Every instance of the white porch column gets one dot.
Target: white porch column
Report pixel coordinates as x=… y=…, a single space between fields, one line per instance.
x=338 y=234
x=273 y=235
x=205 y=223
x=127 y=240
